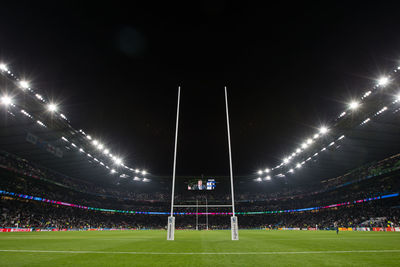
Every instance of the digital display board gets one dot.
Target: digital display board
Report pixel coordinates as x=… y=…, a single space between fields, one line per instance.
x=199 y=184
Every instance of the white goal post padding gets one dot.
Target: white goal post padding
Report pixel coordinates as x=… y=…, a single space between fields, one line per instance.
x=234 y=228
x=171 y=228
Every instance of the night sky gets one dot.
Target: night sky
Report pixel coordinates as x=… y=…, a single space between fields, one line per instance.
x=114 y=69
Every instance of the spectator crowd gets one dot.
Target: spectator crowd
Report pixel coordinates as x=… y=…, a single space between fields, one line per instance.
x=20 y=176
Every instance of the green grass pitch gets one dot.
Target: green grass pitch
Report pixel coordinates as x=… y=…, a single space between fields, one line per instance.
x=200 y=248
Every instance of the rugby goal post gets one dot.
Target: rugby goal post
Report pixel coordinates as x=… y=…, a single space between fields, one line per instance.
x=171 y=218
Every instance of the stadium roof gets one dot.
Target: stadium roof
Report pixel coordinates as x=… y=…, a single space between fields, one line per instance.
x=115 y=73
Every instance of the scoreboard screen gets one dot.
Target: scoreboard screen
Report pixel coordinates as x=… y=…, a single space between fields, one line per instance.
x=200 y=184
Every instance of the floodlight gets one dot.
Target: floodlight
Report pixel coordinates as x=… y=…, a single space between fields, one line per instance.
x=285 y=160
x=136 y=178
x=291 y=170
x=105 y=151
x=398 y=97
x=298 y=165
x=383 y=81
x=304 y=145
x=260 y=172
x=89 y=137
x=259 y=179
x=95 y=142
x=144 y=172
x=316 y=136
x=298 y=150
x=309 y=141
x=3 y=67
x=6 y=100
x=267 y=170
x=354 y=105
x=118 y=161
x=367 y=94
x=100 y=146
x=137 y=170
x=113 y=171
x=323 y=130
x=24 y=84
x=267 y=178
x=52 y=107
x=81 y=150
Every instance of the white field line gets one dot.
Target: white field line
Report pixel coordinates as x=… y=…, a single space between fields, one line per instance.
x=339 y=238
x=200 y=253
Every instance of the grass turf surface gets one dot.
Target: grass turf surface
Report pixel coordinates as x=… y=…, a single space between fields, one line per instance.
x=258 y=248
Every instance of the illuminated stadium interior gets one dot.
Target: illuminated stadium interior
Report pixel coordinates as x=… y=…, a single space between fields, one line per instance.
x=160 y=136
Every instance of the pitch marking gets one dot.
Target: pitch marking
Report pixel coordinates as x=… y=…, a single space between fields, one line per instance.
x=200 y=253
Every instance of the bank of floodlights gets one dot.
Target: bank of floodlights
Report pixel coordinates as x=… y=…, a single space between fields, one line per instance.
x=352 y=106
x=53 y=108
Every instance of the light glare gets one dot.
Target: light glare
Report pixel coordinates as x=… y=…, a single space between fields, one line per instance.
x=24 y=84
x=323 y=130
x=383 y=81
x=3 y=67
x=354 y=105
x=52 y=107
x=6 y=100
x=118 y=161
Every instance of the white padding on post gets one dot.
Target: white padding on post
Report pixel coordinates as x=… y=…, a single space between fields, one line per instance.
x=171 y=228
x=234 y=228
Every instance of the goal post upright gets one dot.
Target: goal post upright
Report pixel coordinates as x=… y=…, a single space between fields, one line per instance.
x=234 y=221
x=171 y=218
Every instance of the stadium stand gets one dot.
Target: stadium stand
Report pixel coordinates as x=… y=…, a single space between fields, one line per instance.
x=23 y=177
